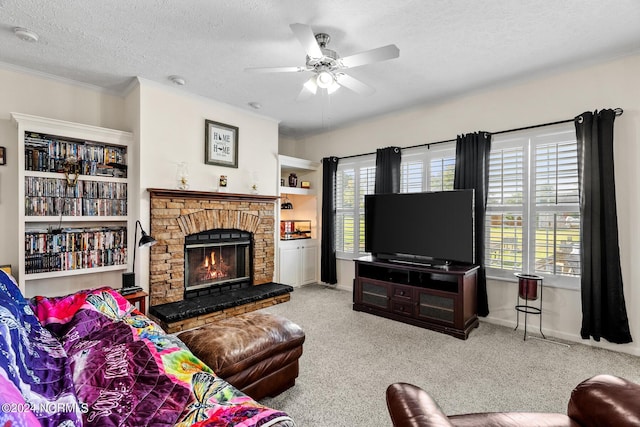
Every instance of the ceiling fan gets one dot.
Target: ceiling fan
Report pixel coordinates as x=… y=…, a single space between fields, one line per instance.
x=327 y=66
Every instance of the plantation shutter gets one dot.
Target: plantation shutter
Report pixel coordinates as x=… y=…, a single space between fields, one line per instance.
x=442 y=171
x=505 y=209
x=345 y=220
x=556 y=208
x=411 y=176
x=367 y=184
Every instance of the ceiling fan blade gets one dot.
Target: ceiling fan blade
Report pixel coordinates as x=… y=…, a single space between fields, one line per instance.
x=368 y=56
x=307 y=39
x=354 y=84
x=275 y=69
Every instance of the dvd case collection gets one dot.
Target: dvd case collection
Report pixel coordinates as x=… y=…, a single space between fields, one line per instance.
x=48 y=153
x=74 y=248
x=53 y=196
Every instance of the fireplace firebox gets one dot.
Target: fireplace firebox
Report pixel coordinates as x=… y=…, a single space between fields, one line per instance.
x=217 y=260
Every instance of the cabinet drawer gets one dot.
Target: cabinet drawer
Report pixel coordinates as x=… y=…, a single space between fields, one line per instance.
x=402 y=293
x=401 y=307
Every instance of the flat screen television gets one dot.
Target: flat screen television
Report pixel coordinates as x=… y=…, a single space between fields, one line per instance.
x=427 y=228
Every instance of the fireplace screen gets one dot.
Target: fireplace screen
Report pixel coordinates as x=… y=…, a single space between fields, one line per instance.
x=217 y=257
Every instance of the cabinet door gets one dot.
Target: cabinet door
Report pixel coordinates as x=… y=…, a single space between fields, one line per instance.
x=374 y=294
x=308 y=265
x=436 y=306
x=289 y=263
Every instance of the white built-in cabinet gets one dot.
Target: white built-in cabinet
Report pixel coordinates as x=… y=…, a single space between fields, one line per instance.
x=71 y=221
x=298 y=260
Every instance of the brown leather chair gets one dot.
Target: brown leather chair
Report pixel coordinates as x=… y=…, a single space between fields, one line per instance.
x=603 y=400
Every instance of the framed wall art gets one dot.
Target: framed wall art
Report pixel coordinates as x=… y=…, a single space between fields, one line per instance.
x=220 y=144
x=3 y=156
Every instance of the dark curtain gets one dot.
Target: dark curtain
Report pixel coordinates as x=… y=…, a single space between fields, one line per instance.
x=388 y=170
x=328 y=272
x=472 y=172
x=603 y=308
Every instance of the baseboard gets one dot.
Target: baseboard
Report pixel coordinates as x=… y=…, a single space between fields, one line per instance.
x=630 y=348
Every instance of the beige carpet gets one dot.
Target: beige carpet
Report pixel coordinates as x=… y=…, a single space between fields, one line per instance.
x=350 y=358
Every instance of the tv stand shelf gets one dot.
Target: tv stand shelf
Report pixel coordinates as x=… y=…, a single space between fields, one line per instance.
x=432 y=297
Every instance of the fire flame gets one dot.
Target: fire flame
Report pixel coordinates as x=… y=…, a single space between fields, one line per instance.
x=214 y=271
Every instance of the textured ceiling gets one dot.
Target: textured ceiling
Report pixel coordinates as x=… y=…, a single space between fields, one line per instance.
x=447 y=47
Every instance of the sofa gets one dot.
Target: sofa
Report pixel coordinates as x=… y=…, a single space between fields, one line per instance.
x=93 y=359
x=603 y=400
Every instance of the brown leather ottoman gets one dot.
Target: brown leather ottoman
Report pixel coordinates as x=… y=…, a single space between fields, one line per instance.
x=256 y=352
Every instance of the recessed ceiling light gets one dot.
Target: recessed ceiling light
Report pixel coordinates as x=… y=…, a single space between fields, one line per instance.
x=255 y=105
x=180 y=81
x=26 y=35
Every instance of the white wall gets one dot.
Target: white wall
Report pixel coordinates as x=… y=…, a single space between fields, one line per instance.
x=172 y=130
x=288 y=146
x=557 y=97
x=58 y=99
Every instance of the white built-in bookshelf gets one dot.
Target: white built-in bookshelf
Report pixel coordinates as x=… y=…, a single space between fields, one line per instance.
x=73 y=188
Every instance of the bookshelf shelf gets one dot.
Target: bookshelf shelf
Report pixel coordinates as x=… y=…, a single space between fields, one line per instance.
x=73 y=181
x=298 y=191
x=76 y=272
x=60 y=175
x=54 y=220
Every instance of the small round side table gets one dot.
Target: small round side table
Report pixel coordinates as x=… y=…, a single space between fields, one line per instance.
x=528 y=285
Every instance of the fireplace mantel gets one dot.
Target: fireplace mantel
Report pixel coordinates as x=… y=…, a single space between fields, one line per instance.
x=209 y=195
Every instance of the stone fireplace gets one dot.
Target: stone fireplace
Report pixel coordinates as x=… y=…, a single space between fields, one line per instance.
x=200 y=234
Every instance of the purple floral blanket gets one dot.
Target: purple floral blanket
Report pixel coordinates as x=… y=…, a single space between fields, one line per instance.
x=128 y=371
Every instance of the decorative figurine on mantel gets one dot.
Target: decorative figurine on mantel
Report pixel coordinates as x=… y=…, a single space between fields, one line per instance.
x=254 y=179
x=223 y=183
x=182 y=176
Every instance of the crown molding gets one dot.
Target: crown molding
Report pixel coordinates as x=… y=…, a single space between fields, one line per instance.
x=58 y=79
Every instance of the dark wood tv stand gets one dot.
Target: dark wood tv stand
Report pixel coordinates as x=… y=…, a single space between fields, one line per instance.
x=439 y=298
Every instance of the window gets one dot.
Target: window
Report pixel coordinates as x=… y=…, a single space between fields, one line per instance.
x=533 y=212
x=443 y=167
x=428 y=169
x=355 y=178
x=421 y=169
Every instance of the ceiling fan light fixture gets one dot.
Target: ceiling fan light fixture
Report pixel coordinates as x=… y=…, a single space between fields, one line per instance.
x=311 y=86
x=334 y=87
x=325 y=79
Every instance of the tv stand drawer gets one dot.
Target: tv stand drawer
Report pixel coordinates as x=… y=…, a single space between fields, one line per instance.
x=402 y=293
x=405 y=308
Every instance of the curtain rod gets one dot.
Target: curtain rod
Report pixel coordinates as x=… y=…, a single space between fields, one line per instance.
x=618 y=112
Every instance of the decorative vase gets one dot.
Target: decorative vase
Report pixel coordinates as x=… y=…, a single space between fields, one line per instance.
x=293 y=180
x=528 y=286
